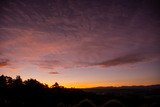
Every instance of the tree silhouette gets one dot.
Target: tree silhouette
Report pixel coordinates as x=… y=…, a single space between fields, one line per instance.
x=60 y=105
x=155 y=105
x=18 y=83
x=3 y=81
x=113 y=103
x=9 y=81
x=33 y=83
x=55 y=85
x=86 y=103
x=15 y=92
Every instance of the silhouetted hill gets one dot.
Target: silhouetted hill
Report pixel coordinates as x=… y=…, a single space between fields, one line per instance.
x=105 y=90
x=32 y=93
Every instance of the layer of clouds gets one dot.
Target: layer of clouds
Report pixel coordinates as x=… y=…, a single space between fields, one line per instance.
x=79 y=33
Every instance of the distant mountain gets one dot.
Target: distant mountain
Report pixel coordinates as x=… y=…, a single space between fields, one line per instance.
x=124 y=89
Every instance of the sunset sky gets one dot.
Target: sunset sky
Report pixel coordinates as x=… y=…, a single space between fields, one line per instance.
x=81 y=43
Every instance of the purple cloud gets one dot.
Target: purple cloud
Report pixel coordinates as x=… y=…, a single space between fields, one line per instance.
x=53 y=72
x=128 y=59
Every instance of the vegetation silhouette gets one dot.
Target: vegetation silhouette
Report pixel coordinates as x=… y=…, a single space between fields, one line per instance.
x=86 y=103
x=60 y=105
x=30 y=92
x=113 y=103
x=155 y=105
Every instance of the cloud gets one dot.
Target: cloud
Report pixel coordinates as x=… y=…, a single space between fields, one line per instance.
x=53 y=72
x=51 y=35
x=122 y=60
x=129 y=59
x=3 y=62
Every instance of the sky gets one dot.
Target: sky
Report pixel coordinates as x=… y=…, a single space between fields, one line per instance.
x=81 y=43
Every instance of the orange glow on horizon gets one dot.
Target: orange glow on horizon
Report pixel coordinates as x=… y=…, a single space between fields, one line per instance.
x=111 y=84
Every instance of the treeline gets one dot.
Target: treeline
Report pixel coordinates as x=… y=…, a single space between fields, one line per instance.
x=29 y=93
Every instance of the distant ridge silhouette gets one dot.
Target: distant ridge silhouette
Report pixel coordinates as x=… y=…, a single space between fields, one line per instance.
x=28 y=93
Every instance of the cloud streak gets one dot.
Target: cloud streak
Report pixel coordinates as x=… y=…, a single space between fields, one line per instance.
x=122 y=60
x=4 y=62
x=53 y=72
x=129 y=59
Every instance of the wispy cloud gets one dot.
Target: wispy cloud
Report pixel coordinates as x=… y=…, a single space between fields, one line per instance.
x=53 y=72
x=128 y=59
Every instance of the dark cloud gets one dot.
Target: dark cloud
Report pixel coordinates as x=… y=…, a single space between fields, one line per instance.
x=128 y=59
x=3 y=62
x=53 y=72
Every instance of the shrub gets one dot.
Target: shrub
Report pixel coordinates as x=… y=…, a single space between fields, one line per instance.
x=155 y=105
x=86 y=103
x=113 y=103
x=60 y=105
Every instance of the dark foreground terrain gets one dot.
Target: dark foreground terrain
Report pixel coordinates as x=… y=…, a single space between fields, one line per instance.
x=31 y=93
